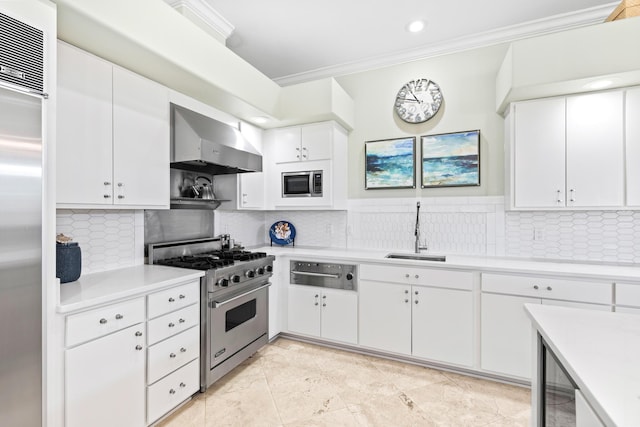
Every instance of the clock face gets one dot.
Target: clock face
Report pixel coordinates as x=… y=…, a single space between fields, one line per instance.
x=418 y=101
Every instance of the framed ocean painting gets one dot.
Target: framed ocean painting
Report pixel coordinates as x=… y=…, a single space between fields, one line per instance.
x=451 y=159
x=390 y=163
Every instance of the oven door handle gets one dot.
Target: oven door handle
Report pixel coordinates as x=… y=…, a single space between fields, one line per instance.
x=217 y=304
x=309 y=273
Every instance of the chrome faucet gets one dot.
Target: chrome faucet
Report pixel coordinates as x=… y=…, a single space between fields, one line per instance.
x=417 y=231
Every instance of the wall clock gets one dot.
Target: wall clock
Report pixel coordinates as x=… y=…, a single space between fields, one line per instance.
x=418 y=101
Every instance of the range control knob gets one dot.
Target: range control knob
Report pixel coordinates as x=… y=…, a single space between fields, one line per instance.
x=250 y=274
x=223 y=282
x=260 y=271
x=269 y=268
x=235 y=278
x=349 y=276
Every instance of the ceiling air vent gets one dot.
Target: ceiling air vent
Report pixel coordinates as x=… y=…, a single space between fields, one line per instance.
x=21 y=54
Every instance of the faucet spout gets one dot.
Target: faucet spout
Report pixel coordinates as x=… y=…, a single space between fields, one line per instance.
x=417 y=230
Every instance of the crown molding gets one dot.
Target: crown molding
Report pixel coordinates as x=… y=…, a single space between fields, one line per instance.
x=534 y=28
x=206 y=13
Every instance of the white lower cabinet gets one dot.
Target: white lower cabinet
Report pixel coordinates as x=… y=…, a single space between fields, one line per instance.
x=323 y=312
x=172 y=390
x=505 y=328
x=431 y=322
x=104 y=381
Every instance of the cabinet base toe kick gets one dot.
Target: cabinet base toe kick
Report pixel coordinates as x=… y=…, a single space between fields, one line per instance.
x=406 y=359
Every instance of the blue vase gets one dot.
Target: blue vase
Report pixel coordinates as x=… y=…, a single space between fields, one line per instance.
x=68 y=262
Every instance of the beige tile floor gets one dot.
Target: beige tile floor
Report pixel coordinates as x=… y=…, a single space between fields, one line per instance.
x=290 y=383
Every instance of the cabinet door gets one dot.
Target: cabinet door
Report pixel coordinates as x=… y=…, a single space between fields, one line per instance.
x=304 y=310
x=505 y=335
x=140 y=140
x=317 y=141
x=385 y=316
x=84 y=150
x=539 y=153
x=105 y=381
x=339 y=321
x=251 y=190
x=595 y=150
x=443 y=325
x=286 y=145
x=632 y=112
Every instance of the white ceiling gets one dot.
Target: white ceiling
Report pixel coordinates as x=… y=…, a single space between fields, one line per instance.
x=299 y=40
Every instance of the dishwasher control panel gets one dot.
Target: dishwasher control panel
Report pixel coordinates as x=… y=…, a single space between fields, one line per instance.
x=324 y=274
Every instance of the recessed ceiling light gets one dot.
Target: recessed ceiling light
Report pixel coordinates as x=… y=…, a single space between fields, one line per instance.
x=599 y=84
x=415 y=26
x=260 y=119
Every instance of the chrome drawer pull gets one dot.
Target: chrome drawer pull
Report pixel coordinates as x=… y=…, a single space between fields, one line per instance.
x=171 y=325
x=183 y=350
x=172 y=391
x=171 y=300
x=119 y=316
x=182 y=296
x=172 y=355
x=183 y=385
x=138 y=333
x=138 y=347
x=103 y=321
x=535 y=287
x=549 y=288
x=181 y=321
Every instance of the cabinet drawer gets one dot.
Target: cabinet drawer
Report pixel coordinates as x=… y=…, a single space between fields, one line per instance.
x=417 y=276
x=172 y=323
x=548 y=287
x=173 y=299
x=169 y=355
x=92 y=324
x=628 y=294
x=172 y=390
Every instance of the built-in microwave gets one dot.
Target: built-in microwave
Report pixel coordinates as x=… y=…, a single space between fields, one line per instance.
x=302 y=184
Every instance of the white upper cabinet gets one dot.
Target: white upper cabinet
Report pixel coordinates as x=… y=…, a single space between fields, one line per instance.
x=595 y=150
x=539 y=155
x=140 y=140
x=633 y=146
x=84 y=133
x=568 y=152
x=112 y=135
x=303 y=143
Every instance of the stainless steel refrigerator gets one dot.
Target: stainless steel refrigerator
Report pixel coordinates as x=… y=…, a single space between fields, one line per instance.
x=21 y=186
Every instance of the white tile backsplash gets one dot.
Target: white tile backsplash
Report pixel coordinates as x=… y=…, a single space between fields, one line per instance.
x=112 y=239
x=108 y=239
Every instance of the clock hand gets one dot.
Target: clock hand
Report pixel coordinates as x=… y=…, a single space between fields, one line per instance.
x=414 y=97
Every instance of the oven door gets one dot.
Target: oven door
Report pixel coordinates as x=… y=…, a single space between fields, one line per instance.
x=236 y=321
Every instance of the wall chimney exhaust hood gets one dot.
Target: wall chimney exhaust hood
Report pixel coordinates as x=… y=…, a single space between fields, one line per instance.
x=202 y=144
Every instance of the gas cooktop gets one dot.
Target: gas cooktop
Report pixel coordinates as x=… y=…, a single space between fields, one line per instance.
x=211 y=260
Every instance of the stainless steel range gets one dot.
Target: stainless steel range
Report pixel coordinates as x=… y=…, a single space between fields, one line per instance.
x=234 y=317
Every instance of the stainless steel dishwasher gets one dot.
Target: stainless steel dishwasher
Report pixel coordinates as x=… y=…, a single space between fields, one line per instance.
x=324 y=274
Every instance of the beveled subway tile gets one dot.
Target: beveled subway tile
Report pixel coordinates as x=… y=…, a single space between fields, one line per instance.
x=305 y=398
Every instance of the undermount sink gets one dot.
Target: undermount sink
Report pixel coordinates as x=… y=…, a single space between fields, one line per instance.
x=418 y=257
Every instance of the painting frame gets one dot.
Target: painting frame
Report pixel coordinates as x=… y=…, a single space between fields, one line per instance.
x=390 y=163
x=450 y=159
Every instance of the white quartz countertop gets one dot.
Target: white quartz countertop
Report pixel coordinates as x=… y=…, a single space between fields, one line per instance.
x=569 y=269
x=601 y=352
x=104 y=287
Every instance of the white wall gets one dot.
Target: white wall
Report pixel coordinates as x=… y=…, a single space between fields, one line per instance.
x=467 y=81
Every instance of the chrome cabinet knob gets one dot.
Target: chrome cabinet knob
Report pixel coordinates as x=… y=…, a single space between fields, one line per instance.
x=119 y=316
x=138 y=347
x=107 y=196
x=172 y=391
x=171 y=325
x=406 y=275
x=549 y=288
x=183 y=350
x=120 y=196
x=138 y=333
x=316 y=303
x=416 y=292
x=172 y=355
x=181 y=321
x=107 y=183
x=324 y=305
x=317 y=295
x=324 y=297
x=120 y=184
x=103 y=321
x=416 y=301
x=406 y=291
x=171 y=300
x=182 y=296
x=183 y=385
x=406 y=300
x=536 y=287
x=417 y=276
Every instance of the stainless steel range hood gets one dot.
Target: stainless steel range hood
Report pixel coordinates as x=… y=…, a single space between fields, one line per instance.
x=202 y=144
